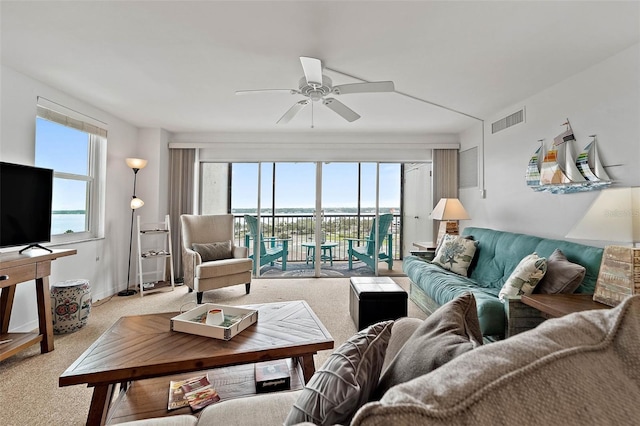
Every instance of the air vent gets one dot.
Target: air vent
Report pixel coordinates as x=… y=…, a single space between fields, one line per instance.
x=508 y=121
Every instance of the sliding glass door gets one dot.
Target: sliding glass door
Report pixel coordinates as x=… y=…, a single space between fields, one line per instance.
x=316 y=207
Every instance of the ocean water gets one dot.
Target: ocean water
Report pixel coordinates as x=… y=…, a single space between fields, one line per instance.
x=61 y=223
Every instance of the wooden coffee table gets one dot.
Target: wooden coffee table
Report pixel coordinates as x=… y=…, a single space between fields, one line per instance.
x=143 y=346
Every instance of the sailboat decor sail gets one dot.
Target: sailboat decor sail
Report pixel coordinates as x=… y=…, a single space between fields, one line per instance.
x=560 y=174
x=533 y=171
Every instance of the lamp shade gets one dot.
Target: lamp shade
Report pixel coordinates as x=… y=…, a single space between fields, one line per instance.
x=449 y=209
x=136 y=203
x=136 y=163
x=613 y=216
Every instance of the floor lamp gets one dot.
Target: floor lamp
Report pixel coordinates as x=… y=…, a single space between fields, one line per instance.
x=136 y=164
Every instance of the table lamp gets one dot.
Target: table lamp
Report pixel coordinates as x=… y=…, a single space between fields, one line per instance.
x=614 y=216
x=449 y=211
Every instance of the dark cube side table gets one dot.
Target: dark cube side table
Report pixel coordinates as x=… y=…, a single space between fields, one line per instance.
x=375 y=299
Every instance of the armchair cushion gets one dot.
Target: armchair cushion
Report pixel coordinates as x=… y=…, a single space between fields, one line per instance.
x=213 y=251
x=223 y=267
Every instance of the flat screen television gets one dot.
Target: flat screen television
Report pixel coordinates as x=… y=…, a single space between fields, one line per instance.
x=25 y=205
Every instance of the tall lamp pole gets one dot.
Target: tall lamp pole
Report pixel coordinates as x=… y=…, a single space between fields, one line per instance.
x=135 y=164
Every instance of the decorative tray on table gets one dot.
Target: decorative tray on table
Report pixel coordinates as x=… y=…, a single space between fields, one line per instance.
x=194 y=321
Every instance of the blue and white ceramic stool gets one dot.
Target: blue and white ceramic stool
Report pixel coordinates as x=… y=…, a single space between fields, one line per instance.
x=70 y=305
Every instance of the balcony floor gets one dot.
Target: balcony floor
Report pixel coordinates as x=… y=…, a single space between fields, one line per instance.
x=339 y=269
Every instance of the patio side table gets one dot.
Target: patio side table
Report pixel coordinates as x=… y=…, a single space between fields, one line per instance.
x=326 y=252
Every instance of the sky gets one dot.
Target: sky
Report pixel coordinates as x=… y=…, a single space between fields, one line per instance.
x=63 y=149
x=296 y=185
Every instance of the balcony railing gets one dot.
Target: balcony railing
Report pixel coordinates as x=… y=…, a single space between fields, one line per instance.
x=300 y=229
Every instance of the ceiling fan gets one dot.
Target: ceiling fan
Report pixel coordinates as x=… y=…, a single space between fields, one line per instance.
x=316 y=87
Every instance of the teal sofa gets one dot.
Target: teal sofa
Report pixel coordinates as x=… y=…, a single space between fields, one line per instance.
x=497 y=255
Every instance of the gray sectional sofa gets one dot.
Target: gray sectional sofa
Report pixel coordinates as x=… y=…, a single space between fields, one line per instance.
x=581 y=369
x=497 y=255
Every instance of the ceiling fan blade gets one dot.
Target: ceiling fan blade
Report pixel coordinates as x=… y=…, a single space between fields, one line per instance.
x=312 y=70
x=250 y=92
x=371 y=87
x=292 y=111
x=341 y=109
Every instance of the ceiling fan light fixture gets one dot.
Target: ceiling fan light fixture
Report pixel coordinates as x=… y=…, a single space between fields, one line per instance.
x=315 y=87
x=305 y=89
x=316 y=95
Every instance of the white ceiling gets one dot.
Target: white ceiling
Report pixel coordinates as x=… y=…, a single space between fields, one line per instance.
x=176 y=64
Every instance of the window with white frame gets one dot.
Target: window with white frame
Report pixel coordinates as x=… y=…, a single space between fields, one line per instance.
x=73 y=145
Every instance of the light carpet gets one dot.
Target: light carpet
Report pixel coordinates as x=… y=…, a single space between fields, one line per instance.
x=29 y=392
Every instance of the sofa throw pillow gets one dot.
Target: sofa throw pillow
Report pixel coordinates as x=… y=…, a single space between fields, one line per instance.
x=213 y=251
x=455 y=254
x=451 y=330
x=467 y=237
x=562 y=276
x=345 y=381
x=525 y=277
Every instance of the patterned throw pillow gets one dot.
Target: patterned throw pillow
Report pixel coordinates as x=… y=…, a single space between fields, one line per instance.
x=345 y=381
x=455 y=254
x=213 y=251
x=525 y=277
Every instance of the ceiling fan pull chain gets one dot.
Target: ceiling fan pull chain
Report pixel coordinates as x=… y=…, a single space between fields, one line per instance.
x=312 y=115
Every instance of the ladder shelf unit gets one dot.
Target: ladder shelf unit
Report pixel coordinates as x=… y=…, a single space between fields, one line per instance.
x=155 y=263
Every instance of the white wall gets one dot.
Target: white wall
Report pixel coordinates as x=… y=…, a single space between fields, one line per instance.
x=602 y=100
x=153 y=180
x=103 y=262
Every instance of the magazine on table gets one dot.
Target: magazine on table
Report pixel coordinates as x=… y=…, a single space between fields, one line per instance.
x=177 y=394
x=200 y=393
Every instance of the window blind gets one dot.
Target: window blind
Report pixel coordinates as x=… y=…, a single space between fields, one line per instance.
x=51 y=111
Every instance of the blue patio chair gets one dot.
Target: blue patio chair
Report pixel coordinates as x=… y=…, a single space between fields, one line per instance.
x=366 y=252
x=271 y=248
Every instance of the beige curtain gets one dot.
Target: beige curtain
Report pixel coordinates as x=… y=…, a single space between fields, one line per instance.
x=445 y=177
x=181 y=190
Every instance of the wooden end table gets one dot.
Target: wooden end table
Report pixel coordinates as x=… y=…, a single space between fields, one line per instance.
x=143 y=347
x=17 y=268
x=557 y=305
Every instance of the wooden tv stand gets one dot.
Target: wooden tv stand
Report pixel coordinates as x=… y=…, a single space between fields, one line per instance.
x=16 y=268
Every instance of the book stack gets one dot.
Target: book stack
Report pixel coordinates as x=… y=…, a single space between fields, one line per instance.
x=272 y=376
x=196 y=392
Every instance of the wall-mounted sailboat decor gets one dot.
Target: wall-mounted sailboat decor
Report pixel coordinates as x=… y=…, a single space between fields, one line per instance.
x=558 y=173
